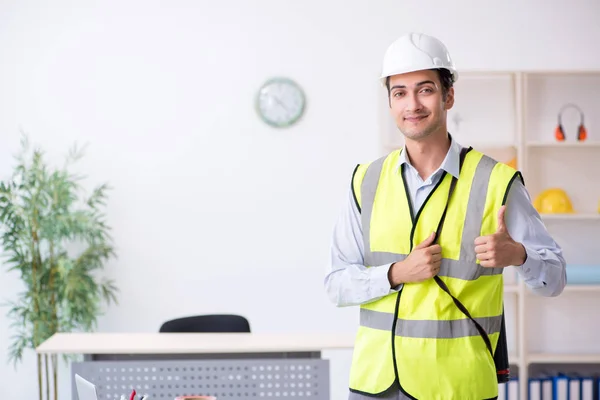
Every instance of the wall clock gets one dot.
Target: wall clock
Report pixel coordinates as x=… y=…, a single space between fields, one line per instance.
x=280 y=102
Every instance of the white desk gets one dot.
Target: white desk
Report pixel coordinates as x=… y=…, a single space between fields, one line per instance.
x=241 y=366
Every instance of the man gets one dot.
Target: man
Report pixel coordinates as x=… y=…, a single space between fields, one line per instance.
x=422 y=243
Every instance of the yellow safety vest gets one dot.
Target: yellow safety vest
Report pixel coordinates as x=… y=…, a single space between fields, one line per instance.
x=418 y=339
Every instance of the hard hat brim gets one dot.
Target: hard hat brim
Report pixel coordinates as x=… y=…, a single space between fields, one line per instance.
x=386 y=75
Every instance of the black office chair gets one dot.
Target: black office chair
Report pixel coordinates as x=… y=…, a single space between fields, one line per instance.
x=213 y=323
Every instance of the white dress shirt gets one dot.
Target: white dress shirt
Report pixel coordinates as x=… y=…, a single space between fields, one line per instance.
x=348 y=282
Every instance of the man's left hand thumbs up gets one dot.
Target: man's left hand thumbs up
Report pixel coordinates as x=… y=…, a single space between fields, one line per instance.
x=501 y=225
x=499 y=250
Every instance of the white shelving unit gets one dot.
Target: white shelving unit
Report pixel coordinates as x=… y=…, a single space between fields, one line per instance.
x=513 y=114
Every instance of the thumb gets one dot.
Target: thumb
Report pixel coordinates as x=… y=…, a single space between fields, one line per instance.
x=427 y=242
x=501 y=224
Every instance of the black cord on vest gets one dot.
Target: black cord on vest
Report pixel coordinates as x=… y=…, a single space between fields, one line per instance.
x=439 y=281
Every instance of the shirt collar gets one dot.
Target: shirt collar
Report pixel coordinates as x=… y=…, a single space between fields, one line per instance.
x=451 y=163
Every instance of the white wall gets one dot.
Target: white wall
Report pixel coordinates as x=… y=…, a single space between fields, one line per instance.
x=212 y=210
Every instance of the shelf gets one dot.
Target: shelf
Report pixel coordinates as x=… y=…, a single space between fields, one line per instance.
x=546 y=358
x=558 y=145
x=571 y=287
x=575 y=288
x=511 y=288
x=561 y=73
x=581 y=288
x=570 y=217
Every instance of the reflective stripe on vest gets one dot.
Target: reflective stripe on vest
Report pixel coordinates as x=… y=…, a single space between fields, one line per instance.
x=427 y=328
x=436 y=352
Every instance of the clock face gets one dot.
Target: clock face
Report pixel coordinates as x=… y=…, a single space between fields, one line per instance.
x=280 y=102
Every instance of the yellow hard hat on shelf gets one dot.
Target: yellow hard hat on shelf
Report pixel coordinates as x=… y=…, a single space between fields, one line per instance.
x=553 y=201
x=512 y=163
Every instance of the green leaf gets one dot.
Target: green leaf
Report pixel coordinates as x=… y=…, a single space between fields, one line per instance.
x=58 y=241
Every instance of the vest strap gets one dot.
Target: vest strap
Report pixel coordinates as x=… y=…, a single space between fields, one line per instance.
x=442 y=284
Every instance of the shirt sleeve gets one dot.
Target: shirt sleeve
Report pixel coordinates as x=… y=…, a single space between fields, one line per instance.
x=348 y=281
x=544 y=270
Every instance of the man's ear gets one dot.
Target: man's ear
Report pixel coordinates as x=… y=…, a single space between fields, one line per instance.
x=449 y=103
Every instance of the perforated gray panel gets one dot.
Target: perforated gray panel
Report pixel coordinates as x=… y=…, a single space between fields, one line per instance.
x=224 y=379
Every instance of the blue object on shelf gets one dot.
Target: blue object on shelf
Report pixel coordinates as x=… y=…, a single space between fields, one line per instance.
x=583 y=274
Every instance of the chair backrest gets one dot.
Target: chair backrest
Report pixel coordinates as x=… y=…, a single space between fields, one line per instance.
x=218 y=323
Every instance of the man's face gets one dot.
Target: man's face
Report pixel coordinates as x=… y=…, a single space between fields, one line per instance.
x=417 y=104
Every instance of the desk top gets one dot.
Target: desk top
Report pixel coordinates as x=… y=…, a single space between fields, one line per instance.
x=180 y=343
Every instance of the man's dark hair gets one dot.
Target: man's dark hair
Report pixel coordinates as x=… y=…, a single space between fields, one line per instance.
x=445 y=80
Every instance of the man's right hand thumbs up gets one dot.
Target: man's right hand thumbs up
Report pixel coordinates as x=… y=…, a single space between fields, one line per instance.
x=422 y=263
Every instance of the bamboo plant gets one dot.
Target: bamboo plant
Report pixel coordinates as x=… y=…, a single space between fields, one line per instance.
x=58 y=241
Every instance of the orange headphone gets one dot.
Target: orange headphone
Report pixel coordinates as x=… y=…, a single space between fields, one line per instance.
x=559 y=132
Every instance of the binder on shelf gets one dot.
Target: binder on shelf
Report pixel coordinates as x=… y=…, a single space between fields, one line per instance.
x=540 y=388
x=560 y=387
x=512 y=389
x=535 y=389
x=587 y=388
x=502 y=391
x=547 y=393
x=574 y=387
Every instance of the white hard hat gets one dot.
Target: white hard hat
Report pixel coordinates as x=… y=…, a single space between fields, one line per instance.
x=416 y=52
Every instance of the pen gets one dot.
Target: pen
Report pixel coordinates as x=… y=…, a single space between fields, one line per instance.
x=132 y=397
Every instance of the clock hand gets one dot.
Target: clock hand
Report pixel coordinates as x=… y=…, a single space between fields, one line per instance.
x=280 y=103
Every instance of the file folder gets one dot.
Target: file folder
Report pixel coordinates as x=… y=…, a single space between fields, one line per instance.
x=574 y=388
x=587 y=388
x=513 y=389
x=502 y=391
x=547 y=392
x=560 y=387
x=535 y=389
